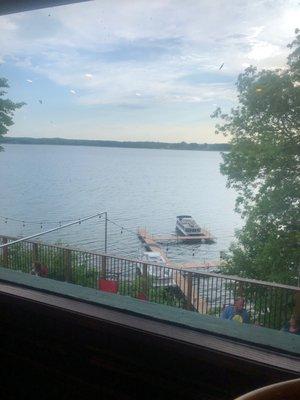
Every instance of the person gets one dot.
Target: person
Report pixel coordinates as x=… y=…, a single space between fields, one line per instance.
x=293 y=326
x=44 y=271
x=236 y=312
x=39 y=270
x=36 y=269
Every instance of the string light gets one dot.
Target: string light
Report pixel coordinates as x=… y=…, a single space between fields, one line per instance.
x=122 y=227
x=44 y=222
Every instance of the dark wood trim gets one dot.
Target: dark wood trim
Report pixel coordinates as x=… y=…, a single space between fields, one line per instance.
x=51 y=344
x=225 y=348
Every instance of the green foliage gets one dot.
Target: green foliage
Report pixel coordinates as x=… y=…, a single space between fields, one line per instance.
x=19 y=258
x=84 y=276
x=148 y=286
x=53 y=258
x=294 y=58
x=263 y=167
x=135 y=287
x=7 y=108
x=82 y=272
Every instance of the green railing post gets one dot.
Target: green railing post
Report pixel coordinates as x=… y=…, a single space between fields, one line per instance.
x=35 y=254
x=68 y=265
x=103 y=267
x=144 y=279
x=189 y=305
x=5 y=252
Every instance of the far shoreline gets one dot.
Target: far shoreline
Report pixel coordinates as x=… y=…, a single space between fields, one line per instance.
x=117 y=144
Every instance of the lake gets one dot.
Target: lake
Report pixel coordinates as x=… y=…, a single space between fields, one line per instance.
x=137 y=187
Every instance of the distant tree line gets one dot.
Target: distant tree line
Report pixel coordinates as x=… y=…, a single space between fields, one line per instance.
x=113 y=143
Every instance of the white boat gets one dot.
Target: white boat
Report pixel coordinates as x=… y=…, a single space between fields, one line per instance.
x=153 y=257
x=157 y=269
x=187 y=226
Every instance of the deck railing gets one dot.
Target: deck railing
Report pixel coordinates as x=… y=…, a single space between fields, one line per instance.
x=268 y=304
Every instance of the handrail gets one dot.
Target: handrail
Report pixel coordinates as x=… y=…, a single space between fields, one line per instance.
x=24 y=239
x=194 y=273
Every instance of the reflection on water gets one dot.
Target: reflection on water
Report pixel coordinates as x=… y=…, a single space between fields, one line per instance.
x=138 y=188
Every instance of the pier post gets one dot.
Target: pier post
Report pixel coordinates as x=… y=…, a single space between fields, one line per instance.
x=189 y=278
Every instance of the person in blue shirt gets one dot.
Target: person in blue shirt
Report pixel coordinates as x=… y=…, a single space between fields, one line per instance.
x=236 y=312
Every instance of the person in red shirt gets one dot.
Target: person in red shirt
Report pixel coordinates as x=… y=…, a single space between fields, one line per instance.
x=44 y=271
x=36 y=268
x=39 y=270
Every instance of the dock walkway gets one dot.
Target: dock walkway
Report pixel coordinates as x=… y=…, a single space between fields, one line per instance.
x=206 y=237
x=181 y=278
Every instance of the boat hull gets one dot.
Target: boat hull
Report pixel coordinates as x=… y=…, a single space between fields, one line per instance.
x=191 y=239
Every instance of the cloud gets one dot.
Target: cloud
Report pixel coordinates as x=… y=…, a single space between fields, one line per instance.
x=141 y=54
x=263 y=50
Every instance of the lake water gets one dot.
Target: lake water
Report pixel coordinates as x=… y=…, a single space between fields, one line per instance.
x=137 y=187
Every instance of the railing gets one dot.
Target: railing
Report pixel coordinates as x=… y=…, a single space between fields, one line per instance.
x=268 y=304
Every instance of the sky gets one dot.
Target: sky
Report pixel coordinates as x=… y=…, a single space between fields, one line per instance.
x=137 y=70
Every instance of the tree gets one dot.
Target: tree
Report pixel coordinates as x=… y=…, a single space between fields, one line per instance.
x=7 y=109
x=263 y=167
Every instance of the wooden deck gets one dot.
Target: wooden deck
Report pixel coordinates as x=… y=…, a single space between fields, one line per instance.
x=183 y=281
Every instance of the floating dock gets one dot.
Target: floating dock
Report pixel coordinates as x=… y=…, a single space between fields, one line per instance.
x=203 y=265
x=182 y=280
x=151 y=243
x=206 y=237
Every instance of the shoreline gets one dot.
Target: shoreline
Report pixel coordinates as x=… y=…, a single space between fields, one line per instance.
x=117 y=144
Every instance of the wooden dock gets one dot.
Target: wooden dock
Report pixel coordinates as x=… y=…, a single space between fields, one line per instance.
x=182 y=279
x=206 y=237
x=196 y=265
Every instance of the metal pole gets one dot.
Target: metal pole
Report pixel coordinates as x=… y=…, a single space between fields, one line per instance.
x=105 y=236
x=53 y=229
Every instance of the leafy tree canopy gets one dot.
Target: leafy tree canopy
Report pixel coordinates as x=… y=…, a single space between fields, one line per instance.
x=7 y=108
x=263 y=167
